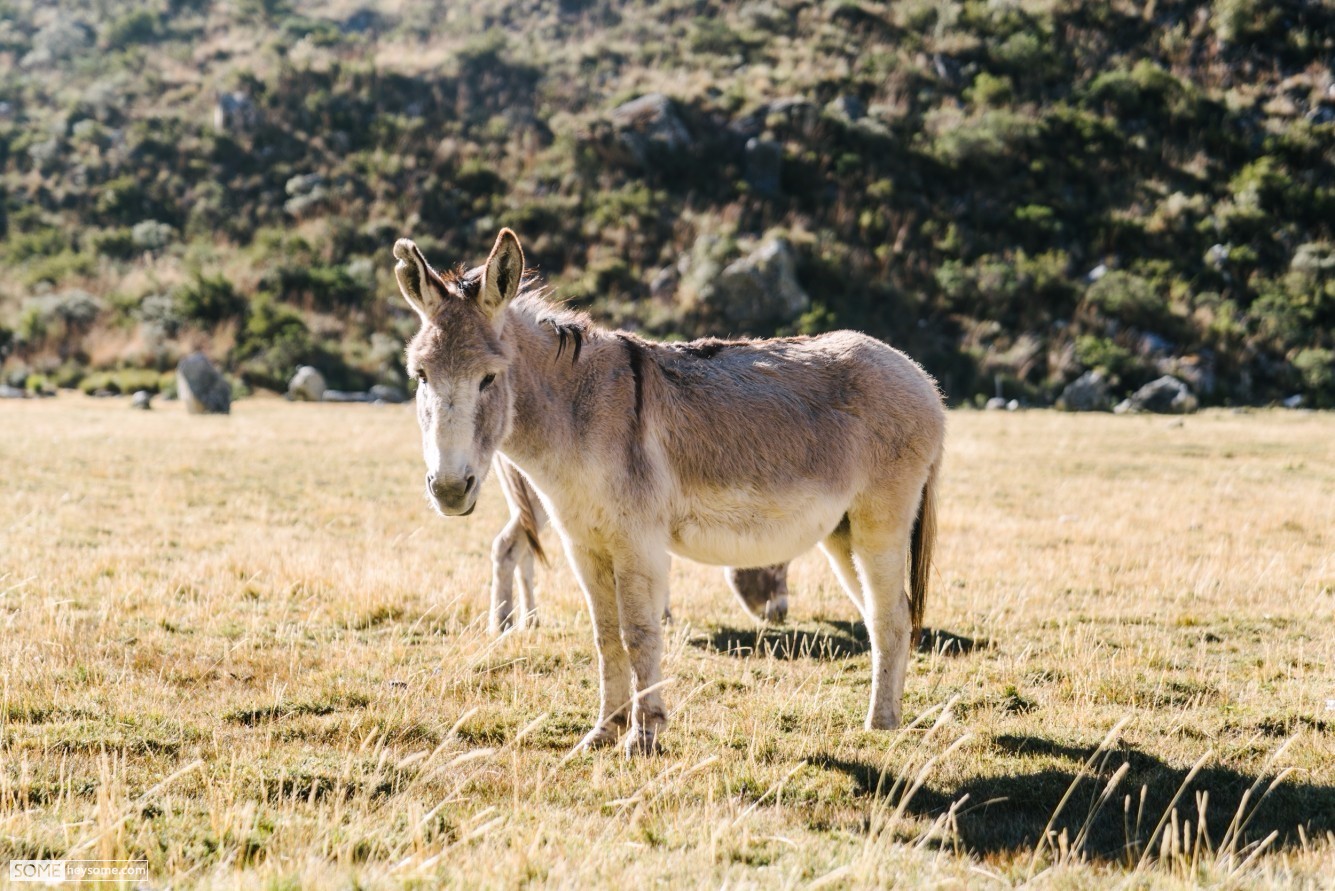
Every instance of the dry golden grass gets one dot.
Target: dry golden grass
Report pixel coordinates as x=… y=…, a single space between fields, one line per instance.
x=244 y=649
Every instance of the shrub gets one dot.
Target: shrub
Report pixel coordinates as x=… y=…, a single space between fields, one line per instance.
x=208 y=300
x=126 y=380
x=1102 y=354
x=1127 y=298
x=139 y=26
x=1316 y=370
x=274 y=341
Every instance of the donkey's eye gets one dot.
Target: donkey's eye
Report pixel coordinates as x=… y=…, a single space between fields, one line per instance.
x=486 y=382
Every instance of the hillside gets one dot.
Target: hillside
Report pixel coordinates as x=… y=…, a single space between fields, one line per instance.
x=1013 y=191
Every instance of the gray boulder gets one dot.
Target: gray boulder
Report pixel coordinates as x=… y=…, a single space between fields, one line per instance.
x=996 y=403
x=345 y=396
x=764 y=161
x=307 y=385
x=649 y=127
x=141 y=400
x=1165 y=396
x=8 y=392
x=1089 y=392
x=386 y=393
x=202 y=387
x=235 y=113
x=760 y=290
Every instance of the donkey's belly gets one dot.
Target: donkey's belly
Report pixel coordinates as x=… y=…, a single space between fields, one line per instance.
x=734 y=529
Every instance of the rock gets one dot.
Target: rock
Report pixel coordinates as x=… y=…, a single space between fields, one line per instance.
x=760 y=290
x=142 y=400
x=202 y=387
x=1089 y=392
x=388 y=394
x=793 y=111
x=307 y=385
x=1294 y=401
x=235 y=113
x=345 y=396
x=649 y=127
x=1013 y=405
x=1165 y=396
x=664 y=283
x=847 y=108
x=8 y=392
x=764 y=160
x=996 y=403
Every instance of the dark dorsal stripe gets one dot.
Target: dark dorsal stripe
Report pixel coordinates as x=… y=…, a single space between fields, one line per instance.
x=635 y=354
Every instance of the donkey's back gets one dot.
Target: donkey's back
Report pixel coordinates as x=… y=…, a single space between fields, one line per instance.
x=767 y=444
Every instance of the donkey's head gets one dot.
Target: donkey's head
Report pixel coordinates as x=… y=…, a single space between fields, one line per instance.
x=460 y=360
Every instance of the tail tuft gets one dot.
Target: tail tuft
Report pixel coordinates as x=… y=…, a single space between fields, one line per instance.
x=523 y=495
x=920 y=556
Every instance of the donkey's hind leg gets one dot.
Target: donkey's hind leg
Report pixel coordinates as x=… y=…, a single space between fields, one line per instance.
x=838 y=547
x=880 y=550
x=527 y=605
x=509 y=552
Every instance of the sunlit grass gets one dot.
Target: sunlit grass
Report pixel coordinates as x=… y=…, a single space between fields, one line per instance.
x=245 y=649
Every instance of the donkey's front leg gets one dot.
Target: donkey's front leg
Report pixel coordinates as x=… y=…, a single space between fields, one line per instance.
x=596 y=576
x=641 y=580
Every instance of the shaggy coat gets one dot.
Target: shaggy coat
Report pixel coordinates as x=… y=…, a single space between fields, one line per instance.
x=740 y=453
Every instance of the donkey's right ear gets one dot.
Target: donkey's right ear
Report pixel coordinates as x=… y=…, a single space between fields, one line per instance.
x=414 y=276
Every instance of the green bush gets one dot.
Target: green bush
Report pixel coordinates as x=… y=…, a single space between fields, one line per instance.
x=1102 y=354
x=273 y=342
x=1316 y=370
x=1128 y=298
x=126 y=380
x=208 y=300
x=139 y=26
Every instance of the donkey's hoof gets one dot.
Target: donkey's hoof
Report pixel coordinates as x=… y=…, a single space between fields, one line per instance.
x=642 y=741
x=882 y=722
x=600 y=737
x=776 y=611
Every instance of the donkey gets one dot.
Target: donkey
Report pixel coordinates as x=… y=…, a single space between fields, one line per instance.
x=741 y=453
x=763 y=591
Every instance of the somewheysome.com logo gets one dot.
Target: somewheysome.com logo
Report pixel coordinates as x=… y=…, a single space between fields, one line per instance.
x=55 y=871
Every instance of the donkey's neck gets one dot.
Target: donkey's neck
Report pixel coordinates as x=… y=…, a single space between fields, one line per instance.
x=553 y=372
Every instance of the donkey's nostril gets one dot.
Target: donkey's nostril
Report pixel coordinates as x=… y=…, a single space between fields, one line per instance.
x=469 y=482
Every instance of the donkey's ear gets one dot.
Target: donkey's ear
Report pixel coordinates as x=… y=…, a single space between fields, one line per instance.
x=500 y=281
x=414 y=275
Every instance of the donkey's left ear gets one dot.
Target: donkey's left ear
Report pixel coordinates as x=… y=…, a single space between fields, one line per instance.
x=500 y=281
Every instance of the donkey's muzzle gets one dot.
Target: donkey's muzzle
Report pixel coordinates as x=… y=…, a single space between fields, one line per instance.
x=454 y=497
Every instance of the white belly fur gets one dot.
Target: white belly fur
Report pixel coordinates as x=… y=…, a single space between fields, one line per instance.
x=732 y=528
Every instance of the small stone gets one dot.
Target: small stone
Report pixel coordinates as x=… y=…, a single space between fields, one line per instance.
x=307 y=385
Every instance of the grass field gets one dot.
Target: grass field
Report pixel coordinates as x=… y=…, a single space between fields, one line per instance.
x=244 y=648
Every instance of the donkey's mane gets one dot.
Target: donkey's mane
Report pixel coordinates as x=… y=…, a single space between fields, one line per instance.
x=571 y=327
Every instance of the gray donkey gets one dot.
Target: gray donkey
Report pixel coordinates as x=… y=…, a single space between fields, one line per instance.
x=763 y=591
x=741 y=453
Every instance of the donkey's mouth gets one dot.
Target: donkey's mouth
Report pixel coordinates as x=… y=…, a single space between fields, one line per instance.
x=450 y=510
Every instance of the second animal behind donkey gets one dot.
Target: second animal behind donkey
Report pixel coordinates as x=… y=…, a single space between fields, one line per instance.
x=763 y=591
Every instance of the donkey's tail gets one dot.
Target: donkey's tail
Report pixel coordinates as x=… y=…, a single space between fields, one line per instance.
x=920 y=556
x=523 y=502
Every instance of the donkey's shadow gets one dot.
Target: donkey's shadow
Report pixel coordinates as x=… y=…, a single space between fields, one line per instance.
x=829 y=641
x=1009 y=812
